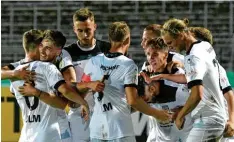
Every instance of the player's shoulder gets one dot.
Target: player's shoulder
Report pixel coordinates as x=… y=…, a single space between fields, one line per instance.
x=103 y=45
x=65 y=53
x=71 y=47
x=199 y=48
x=173 y=56
x=126 y=61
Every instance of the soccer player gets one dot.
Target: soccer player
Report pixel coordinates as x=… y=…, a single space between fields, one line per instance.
x=84 y=48
x=111 y=119
x=165 y=94
x=153 y=31
x=42 y=122
x=206 y=101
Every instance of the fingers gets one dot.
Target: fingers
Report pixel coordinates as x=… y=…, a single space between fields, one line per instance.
x=229 y=131
x=25 y=67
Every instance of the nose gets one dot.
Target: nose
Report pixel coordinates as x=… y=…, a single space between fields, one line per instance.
x=85 y=34
x=42 y=50
x=143 y=43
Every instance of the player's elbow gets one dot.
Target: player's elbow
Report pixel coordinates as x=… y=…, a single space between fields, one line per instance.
x=132 y=103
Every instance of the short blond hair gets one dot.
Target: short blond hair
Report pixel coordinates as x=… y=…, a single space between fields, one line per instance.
x=202 y=34
x=175 y=26
x=83 y=14
x=31 y=39
x=118 y=31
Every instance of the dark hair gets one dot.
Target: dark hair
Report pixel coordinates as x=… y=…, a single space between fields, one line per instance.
x=31 y=39
x=158 y=44
x=155 y=28
x=83 y=14
x=56 y=37
x=118 y=31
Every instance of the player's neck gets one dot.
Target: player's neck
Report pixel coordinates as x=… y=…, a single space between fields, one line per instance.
x=162 y=68
x=189 y=41
x=116 y=47
x=93 y=42
x=28 y=57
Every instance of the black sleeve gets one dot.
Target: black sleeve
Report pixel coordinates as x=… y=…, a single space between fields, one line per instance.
x=194 y=83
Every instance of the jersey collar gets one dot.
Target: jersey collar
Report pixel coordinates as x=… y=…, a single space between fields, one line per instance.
x=191 y=46
x=113 y=55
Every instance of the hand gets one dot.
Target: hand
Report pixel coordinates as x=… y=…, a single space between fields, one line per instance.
x=96 y=86
x=24 y=74
x=163 y=116
x=179 y=122
x=149 y=68
x=229 y=129
x=157 y=77
x=85 y=112
x=146 y=77
x=28 y=90
x=176 y=112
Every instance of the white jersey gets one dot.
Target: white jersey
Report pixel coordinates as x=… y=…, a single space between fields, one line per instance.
x=202 y=69
x=172 y=95
x=63 y=61
x=112 y=115
x=41 y=122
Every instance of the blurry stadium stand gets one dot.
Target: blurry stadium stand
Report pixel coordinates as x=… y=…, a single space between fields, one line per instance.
x=18 y=17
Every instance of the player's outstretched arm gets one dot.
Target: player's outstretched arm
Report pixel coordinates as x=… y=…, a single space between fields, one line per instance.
x=69 y=93
x=50 y=99
x=139 y=104
x=20 y=74
x=178 y=78
x=191 y=103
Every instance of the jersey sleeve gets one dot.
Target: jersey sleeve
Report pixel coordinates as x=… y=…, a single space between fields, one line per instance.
x=178 y=57
x=53 y=76
x=131 y=76
x=224 y=82
x=12 y=66
x=195 y=70
x=66 y=61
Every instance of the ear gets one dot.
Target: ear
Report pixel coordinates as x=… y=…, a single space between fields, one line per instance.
x=59 y=50
x=166 y=55
x=182 y=36
x=126 y=41
x=74 y=29
x=95 y=26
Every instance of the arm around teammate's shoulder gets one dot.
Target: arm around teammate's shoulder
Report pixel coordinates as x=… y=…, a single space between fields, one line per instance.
x=48 y=98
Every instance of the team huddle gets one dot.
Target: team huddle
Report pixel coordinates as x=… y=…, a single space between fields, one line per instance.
x=188 y=98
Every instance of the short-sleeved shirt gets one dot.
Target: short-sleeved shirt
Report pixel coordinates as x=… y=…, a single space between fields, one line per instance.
x=63 y=61
x=111 y=118
x=41 y=122
x=202 y=68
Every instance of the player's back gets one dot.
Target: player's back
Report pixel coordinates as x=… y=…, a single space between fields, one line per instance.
x=42 y=123
x=202 y=57
x=112 y=116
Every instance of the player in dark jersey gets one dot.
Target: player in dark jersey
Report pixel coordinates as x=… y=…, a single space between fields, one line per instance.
x=81 y=51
